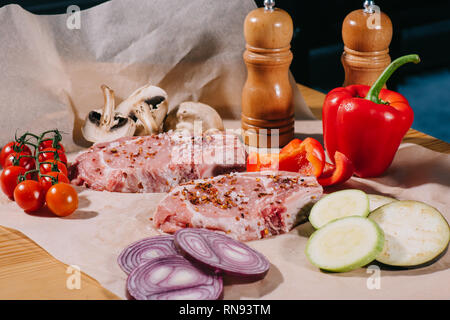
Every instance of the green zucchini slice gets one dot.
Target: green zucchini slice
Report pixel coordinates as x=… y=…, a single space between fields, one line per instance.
x=345 y=244
x=345 y=203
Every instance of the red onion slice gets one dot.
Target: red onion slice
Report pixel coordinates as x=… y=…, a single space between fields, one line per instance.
x=145 y=250
x=221 y=253
x=173 y=278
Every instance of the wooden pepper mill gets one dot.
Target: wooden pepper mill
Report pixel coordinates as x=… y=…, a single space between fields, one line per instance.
x=267 y=110
x=367 y=34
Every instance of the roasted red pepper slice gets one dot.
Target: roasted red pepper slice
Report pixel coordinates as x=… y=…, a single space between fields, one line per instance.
x=253 y=164
x=262 y=162
x=306 y=157
x=292 y=146
x=328 y=170
x=341 y=172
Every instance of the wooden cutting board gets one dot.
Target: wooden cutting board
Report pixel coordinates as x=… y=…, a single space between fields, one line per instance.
x=29 y=272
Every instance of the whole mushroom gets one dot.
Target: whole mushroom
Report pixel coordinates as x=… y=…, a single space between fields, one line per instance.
x=184 y=116
x=106 y=124
x=147 y=106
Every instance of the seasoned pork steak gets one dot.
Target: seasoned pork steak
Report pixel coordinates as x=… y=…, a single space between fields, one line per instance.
x=246 y=206
x=158 y=162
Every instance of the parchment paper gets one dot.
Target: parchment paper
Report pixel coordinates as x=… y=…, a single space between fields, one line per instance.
x=105 y=223
x=51 y=75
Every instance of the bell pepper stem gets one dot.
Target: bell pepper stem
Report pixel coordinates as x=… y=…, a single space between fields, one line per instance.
x=374 y=92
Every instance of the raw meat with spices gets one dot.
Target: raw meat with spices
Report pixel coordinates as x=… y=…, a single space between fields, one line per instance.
x=158 y=162
x=246 y=206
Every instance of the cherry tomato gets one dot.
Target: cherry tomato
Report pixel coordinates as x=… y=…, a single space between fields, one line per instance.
x=49 y=154
x=46 y=182
x=49 y=144
x=26 y=162
x=62 y=199
x=8 y=179
x=47 y=167
x=9 y=148
x=29 y=195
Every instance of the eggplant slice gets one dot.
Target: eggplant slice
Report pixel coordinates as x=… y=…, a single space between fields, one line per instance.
x=416 y=234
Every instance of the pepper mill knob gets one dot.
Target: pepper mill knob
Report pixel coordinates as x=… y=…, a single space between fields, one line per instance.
x=269 y=4
x=267 y=110
x=367 y=34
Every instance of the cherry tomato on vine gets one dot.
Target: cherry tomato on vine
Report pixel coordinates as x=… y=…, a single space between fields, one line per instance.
x=49 y=144
x=48 y=167
x=26 y=162
x=9 y=179
x=29 y=195
x=62 y=199
x=46 y=182
x=49 y=154
x=9 y=148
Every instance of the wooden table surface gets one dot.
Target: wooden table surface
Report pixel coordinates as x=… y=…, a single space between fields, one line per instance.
x=28 y=272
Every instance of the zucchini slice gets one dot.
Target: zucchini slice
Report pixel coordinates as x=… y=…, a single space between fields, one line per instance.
x=376 y=201
x=345 y=244
x=345 y=203
x=415 y=233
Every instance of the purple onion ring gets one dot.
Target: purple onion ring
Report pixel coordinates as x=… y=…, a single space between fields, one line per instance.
x=221 y=253
x=145 y=250
x=173 y=278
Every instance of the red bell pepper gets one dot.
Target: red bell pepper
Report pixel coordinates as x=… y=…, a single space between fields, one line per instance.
x=367 y=124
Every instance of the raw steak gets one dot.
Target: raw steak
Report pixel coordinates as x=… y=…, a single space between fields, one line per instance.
x=246 y=206
x=158 y=162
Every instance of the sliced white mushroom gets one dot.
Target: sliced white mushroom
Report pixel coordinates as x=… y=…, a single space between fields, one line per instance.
x=147 y=106
x=190 y=114
x=106 y=124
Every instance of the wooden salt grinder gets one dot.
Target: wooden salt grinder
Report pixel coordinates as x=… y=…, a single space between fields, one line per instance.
x=367 y=34
x=267 y=110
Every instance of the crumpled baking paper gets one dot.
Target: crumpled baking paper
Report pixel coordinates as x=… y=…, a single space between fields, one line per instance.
x=51 y=72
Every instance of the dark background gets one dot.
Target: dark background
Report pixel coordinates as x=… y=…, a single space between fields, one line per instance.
x=421 y=27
